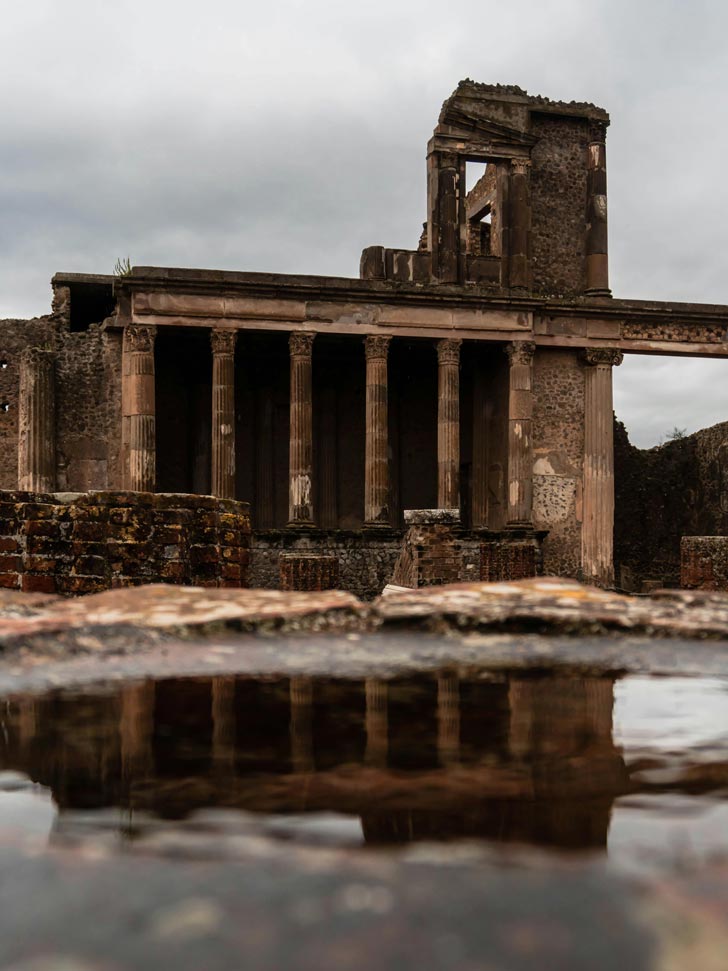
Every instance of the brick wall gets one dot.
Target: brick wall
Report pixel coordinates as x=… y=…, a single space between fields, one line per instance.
x=704 y=562
x=75 y=544
x=504 y=560
x=309 y=571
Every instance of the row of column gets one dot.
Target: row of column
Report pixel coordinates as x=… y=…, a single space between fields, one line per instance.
x=138 y=432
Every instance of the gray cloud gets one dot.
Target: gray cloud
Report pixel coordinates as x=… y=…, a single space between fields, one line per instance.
x=286 y=137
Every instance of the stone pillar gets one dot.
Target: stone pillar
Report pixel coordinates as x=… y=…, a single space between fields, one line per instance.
x=376 y=723
x=37 y=421
x=597 y=530
x=139 y=442
x=446 y=216
x=597 y=259
x=223 y=413
x=520 y=441
x=300 y=469
x=448 y=424
x=448 y=719
x=520 y=226
x=376 y=459
x=301 y=696
x=223 y=725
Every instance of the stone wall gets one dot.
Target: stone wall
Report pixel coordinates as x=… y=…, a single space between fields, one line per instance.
x=704 y=562
x=558 y=204
x=558 y=450
x=88 y=401
x=75 y=544
x=662 y=494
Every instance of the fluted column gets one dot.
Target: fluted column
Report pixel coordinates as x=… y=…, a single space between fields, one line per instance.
x=448 y=719
x=597 y=250
x=37 y=421
x=223 y=724
x=301 y=697
x=376 y=459
x=448 y=424
x=223 y=413
x=300 y=502
x=520 y=225
x=139 y=441
x=377 y=727
x=597 y=530
x=520 y=440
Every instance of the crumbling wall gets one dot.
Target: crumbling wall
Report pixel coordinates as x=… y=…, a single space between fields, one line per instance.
x=661 y=494
x=558 y=204
x=558 y=450
x=14 y=336
x=76 y=544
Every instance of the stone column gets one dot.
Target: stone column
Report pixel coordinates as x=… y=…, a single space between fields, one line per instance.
x=223 y=413
x=376 y=459
x=223 y=725
x=448 y=719
x=300 y=469
x=597 y=259
x=520 y=226
x=377 y=727
x=139 y=441
x=520 y=441
x=448 y=424
x=597 y=530
x=446 y=215
x=301 y=697
x=37 y=421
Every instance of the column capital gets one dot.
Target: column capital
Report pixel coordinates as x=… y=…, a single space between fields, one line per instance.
x=597 y=132
x=520 y=166
x=520 y=352
x=602 y=356
x=140 y=337
x=223 y=341
x=300 y=343
x=448 y=351
x=376 y=346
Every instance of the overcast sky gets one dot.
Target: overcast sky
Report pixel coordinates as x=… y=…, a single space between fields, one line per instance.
x=286 y=136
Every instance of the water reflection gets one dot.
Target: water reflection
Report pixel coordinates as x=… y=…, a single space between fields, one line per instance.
x=528 y=759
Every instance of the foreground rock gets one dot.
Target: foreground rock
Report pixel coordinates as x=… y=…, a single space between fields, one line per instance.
x=544 y=605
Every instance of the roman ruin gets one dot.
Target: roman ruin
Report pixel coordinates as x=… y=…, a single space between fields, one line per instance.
x=471 y=375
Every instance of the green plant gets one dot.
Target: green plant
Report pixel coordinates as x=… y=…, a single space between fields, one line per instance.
x=122 y=267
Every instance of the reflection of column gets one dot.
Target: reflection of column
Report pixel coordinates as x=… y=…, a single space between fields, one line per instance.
x=597 y=259
x=597 y=531
x=223 y=413
x=37 y=421
x=27 y=721
x=139 y=433
x=223 y=725
x=479 y=510
x=136 y=727
x=376 y=459
x=520 y=228
x=376 y=723
x=448 y=424
x=300 y=505
x=301 y=698
x=448 y=719
x=520 y=441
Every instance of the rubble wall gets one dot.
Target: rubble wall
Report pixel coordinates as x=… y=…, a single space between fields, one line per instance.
x=76 y=544
x=662 y=494
x=558 y=450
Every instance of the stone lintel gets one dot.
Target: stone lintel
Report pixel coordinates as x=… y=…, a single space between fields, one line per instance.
x=431 y=517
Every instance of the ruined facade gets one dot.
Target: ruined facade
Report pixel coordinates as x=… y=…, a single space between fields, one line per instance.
x=472 y=373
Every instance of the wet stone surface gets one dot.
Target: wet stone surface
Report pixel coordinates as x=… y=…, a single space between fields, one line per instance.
x=176 y=793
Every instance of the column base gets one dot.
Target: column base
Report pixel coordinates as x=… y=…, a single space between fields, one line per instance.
x=598 y=292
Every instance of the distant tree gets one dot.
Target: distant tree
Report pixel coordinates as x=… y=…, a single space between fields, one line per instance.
x=123 y=267
x=676 y=434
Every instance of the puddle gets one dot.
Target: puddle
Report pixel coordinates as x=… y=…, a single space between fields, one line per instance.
x=634 y=770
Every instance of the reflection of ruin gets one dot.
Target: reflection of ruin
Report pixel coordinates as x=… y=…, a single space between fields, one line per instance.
x=528 y=759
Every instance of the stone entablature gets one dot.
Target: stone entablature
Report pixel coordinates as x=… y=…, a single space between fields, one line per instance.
x=71 y=544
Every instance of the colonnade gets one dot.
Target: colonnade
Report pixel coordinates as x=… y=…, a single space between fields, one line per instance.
x=138 y=424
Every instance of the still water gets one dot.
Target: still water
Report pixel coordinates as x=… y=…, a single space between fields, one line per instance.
x=634 y=770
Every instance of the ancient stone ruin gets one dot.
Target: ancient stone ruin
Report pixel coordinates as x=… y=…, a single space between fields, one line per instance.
x=472 y=373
